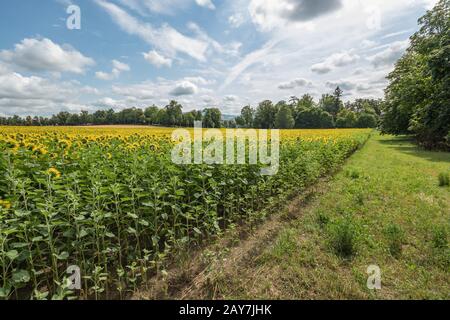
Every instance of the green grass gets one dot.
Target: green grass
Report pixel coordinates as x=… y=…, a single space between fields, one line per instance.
x=385 y=208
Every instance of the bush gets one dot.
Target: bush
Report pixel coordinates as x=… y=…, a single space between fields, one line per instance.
x=344 y=237
x=440 y=238
x=395 y=237
x=366 y=120
x=322 y=219
x=444 y=179
x=353 y=174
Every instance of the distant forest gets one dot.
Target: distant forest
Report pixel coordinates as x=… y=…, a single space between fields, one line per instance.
x=299 y=113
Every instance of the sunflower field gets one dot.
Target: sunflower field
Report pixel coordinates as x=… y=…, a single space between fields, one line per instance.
x=111 y=202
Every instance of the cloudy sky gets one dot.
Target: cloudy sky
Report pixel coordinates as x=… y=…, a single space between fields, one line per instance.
x=202 y=53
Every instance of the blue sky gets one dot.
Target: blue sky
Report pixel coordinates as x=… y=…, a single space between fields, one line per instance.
x=202 y=53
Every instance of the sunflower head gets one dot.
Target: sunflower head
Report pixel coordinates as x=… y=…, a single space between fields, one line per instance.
x=5 y=204
x=54 y=173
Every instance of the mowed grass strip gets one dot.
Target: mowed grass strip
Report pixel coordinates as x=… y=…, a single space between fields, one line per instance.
x=386 y=207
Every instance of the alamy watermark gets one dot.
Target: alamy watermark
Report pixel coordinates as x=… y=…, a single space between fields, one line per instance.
x=74 y=276
x=374 y=279
x=238 y=146
x=373 y=21
x=73 y=22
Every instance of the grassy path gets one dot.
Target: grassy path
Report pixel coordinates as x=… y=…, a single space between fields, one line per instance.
x=384 y=208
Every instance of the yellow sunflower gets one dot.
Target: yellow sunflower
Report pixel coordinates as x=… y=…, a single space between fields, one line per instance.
x=54 y=172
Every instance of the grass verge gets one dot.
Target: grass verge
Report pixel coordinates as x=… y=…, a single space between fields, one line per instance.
x=387 y=207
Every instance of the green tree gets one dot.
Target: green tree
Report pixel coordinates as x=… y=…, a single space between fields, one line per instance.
x=265 y=115
x=85 y=117
x=212 y=118
x=372 y=106
x=162 y=118
x=346 y=119
x=418 y=95
x=314 y=118
x=330 y=104
x=151 y=114
x=247 y=116
x=190 y=117
x=174 y=113
x=284 y=118
x=366 y=120
x=99 y=117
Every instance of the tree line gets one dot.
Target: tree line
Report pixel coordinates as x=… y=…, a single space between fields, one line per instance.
x=418 y=95
x=299 y=113
x=305 y=113
x=171 y=115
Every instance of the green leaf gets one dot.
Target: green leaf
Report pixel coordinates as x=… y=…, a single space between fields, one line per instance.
x=19 y=245
x=131 y=230
x=155 y=240
x=63 y=256
x=9 y=231
x=4 y=292
x=12 y=255
x=148 y=204
x=21 y=276
x=132 y=215
x=83 y=233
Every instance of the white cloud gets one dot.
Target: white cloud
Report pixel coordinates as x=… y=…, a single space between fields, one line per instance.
x=16 y=86
x=388 y=56
x=340 y=59
x=3 y=69
x=395 y=34
x=34 y=95
x=168 y=7
x=202 y=35
x=104 y=76
x=207 y=99
x=38 y=55
x=294 y=84
x=166 y=38
x=90 y=90
x=358 y=71
x=143 y=91
x=236 y=20
x=199 y=80
x=118 y=68
x=249 y=60
x=157 y=59
x=107 y=102
x=345 y=85
x=184 y=88
x=268 y=14
x=206 y=4
x=321 y=68
x=149 y=92
x=366 y=44
x=230 y=98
